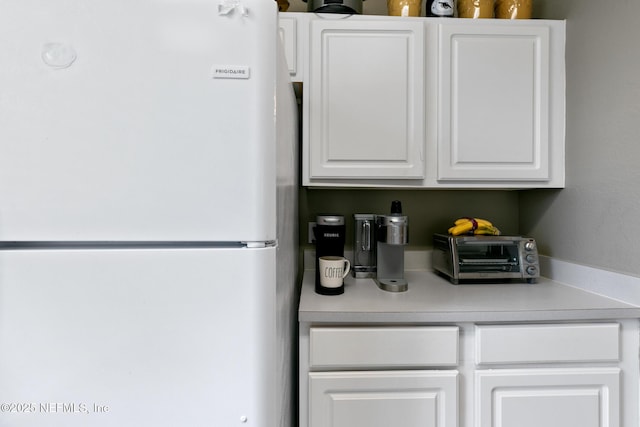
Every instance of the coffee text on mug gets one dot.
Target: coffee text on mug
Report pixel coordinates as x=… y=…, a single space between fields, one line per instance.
x=333 y=272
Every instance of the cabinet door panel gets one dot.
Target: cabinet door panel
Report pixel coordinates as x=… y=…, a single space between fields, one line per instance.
x=366 y=100
x=288 y=35
x=548 y=397
x=383 y=399
x=494 y=103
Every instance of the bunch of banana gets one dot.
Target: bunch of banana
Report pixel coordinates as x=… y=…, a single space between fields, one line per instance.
x=473 y=226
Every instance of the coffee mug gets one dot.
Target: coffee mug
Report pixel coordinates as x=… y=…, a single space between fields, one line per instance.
x=332 y=270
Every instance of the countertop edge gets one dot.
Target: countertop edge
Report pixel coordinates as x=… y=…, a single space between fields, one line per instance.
x=468 y=317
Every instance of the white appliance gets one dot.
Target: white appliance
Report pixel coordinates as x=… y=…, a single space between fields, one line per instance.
x=148 y=214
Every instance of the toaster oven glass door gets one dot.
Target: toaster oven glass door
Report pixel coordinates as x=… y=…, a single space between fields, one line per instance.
x=474 y=256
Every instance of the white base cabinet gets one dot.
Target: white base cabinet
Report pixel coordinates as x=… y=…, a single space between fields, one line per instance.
x=582 y=388
x=557 y=374
x=378 y=376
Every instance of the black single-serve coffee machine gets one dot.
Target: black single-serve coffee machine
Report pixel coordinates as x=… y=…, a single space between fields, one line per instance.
x=330 y=233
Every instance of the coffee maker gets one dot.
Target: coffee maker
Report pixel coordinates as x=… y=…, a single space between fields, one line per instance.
x=392 y=237
x=330 y=237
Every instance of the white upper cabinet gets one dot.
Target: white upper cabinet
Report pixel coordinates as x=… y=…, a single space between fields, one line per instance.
x=431 y=102
x=365 y=102
x=494 y=103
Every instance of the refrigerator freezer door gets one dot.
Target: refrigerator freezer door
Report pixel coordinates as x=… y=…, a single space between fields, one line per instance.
x=159 y=338
x=150 y=120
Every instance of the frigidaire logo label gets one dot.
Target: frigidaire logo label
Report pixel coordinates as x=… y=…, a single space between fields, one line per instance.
x=230 y=72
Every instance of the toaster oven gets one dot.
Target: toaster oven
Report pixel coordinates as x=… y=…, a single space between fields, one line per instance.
x=481 y=259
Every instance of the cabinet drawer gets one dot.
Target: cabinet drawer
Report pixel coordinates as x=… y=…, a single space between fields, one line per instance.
x=383 y=347
x=595 y=342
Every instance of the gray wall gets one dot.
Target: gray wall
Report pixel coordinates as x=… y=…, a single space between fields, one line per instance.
x=595 y=220
x=428 y=211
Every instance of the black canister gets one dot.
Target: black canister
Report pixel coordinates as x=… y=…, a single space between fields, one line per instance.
x=335 y=6
x=330 y=233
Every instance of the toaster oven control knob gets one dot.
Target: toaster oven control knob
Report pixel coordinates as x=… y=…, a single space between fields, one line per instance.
x=530 y=245
x=532 y=270
x=530 y=258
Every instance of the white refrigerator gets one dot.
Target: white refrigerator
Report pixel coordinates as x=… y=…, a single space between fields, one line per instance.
x=148 y=214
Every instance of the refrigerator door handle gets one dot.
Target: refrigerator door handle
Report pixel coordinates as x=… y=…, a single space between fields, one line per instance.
x=254 y=245
x=84 y=245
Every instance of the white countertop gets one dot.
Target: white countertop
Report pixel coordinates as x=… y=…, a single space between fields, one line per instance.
x=433 y=299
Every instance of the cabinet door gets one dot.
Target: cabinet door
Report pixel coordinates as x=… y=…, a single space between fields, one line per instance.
x=494 y=102
x=383 y=399
x=366 y=99
x=288 y=35
x=586 y=397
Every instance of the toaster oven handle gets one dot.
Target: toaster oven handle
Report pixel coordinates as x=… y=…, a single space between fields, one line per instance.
x=487 y=261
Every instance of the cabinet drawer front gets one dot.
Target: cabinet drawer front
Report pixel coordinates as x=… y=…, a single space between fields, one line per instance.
x=383 y=347
x=596 y=342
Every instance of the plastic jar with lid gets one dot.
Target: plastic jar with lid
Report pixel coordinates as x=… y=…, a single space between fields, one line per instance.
x=514 y=9
x=404 y=7
x=283 y=5
x=475 y=8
